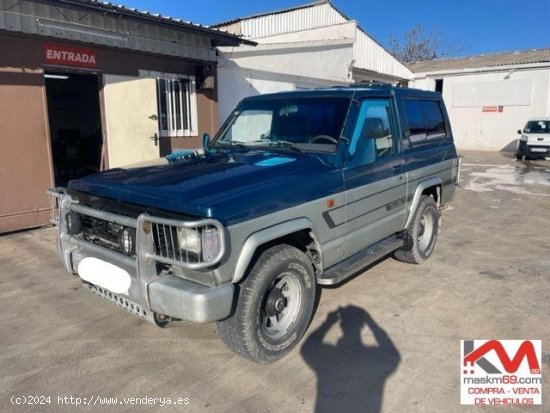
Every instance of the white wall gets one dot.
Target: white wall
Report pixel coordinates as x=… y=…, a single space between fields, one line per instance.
x=270 y=68
x=522 y=93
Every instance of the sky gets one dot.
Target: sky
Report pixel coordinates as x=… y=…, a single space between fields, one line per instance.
x=466 y=27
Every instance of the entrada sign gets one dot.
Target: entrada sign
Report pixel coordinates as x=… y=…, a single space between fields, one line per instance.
x=65 y=55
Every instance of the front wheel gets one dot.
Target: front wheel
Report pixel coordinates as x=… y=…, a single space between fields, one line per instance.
x=422 y=233
x=274 y=307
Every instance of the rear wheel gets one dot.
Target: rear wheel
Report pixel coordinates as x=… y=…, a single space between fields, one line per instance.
x=422 y=233
x=274 y=307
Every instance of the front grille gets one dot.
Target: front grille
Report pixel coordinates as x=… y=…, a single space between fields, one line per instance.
x=101 y=232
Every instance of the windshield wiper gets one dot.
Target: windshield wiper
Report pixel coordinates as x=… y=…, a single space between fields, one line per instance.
x=289 y=145
x=238 y=144
x=279 y=143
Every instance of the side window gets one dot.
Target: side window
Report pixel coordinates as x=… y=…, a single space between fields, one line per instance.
x=415 y=117
x=435 y=125
x=372 y=137
x=425 y=121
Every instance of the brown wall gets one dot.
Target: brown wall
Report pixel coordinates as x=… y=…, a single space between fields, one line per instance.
x=25 y=167
x=25 y=158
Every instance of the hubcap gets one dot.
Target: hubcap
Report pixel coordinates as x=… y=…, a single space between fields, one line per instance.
x=425 y=231
x=282 y=305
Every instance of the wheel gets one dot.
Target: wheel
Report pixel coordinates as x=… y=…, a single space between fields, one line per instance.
x=422 y=233
x=520 y=156
x=274 y=307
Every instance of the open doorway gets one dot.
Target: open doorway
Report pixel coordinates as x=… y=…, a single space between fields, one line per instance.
x=75 y=124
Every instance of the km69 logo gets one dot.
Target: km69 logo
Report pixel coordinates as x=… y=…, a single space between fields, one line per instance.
x=511 y=365
x=500 y=372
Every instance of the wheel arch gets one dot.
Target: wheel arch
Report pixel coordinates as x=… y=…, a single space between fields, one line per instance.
x=431 y=186
x=288 y=231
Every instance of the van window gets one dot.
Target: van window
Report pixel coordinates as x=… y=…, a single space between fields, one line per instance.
x=424 y=121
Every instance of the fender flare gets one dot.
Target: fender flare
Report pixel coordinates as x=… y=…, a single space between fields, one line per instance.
x=428 y=183
x=269 y=234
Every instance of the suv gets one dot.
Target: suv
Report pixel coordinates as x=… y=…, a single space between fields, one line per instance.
x=297 y=190
x=535 y=139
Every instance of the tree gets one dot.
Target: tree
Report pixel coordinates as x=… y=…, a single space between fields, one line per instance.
x=416 y=45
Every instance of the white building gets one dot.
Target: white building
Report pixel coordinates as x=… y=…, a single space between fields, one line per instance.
x=314 y=45
x=489 y=97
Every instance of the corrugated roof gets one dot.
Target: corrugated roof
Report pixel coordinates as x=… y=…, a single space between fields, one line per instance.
x=269 y=13
x=368 y=52
x=108 y=7
x=485 y=60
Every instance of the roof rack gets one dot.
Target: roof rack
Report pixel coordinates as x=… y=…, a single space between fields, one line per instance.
x=366 y=84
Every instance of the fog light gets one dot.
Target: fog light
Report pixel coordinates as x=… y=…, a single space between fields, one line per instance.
x=128 y=241
x=73 y=223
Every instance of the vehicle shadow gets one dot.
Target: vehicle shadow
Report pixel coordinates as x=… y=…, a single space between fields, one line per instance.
x=350 y=375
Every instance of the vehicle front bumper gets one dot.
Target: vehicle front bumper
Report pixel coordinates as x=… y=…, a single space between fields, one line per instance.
x=150 y=296
x=533 y=150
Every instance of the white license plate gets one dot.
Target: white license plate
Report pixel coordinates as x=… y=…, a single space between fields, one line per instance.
x=538 y=150
x=104 y=274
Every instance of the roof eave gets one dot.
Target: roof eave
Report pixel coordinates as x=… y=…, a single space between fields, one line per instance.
x=224 y=39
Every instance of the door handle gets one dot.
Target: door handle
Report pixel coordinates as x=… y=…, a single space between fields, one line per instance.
x=397 y=169
x=155 y=139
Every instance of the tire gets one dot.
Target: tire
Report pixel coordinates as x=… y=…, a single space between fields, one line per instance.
x=274 y=307
x=422 y=233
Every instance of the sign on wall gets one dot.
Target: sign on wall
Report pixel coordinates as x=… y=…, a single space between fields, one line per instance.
x=67 y=55
x=499 y=109
x=510 y=92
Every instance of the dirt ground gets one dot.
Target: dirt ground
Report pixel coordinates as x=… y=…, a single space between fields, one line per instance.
x=387 y=340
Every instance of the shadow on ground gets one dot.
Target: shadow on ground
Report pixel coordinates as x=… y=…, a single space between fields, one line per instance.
x=350 y=375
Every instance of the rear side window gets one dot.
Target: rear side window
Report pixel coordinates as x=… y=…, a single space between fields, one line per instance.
x=424 y=121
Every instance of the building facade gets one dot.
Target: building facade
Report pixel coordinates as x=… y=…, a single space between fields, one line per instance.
x=86 y=86
x=489 y=97
x=314 y=45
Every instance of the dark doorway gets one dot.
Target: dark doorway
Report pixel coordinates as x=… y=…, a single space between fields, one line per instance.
x=75 y=124
x=439 y=85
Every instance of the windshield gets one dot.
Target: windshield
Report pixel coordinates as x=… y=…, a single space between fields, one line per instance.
x=537 y=126
x=303 y=124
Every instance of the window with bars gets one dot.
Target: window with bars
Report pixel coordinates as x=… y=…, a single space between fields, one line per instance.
x=176 y=106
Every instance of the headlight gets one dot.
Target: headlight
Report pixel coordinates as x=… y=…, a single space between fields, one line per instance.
x=189 y=240
x=524 y=137
x=128 y=241
x=210 y=244
x=199 y=241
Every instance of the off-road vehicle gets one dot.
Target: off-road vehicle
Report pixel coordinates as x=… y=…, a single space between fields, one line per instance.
x=297 y=190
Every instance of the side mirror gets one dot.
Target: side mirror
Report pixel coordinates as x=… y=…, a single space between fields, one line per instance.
x=205 y=141
x=519 y=131
x=365 y=151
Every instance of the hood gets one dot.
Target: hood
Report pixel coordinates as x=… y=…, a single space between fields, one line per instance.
x=230 y=187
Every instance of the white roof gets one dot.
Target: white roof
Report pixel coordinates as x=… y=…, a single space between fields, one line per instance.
x=368 y=54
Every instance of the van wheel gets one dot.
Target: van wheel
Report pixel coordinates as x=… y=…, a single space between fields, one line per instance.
x=422 y=233
x=274 y=307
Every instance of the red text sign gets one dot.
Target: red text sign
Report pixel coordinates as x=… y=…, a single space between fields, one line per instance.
x=492 y=109
x=65 y=55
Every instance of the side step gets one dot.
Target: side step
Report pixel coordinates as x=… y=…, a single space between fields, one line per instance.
x=359 y=260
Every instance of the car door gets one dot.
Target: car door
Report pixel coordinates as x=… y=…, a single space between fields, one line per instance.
x=375 y=183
